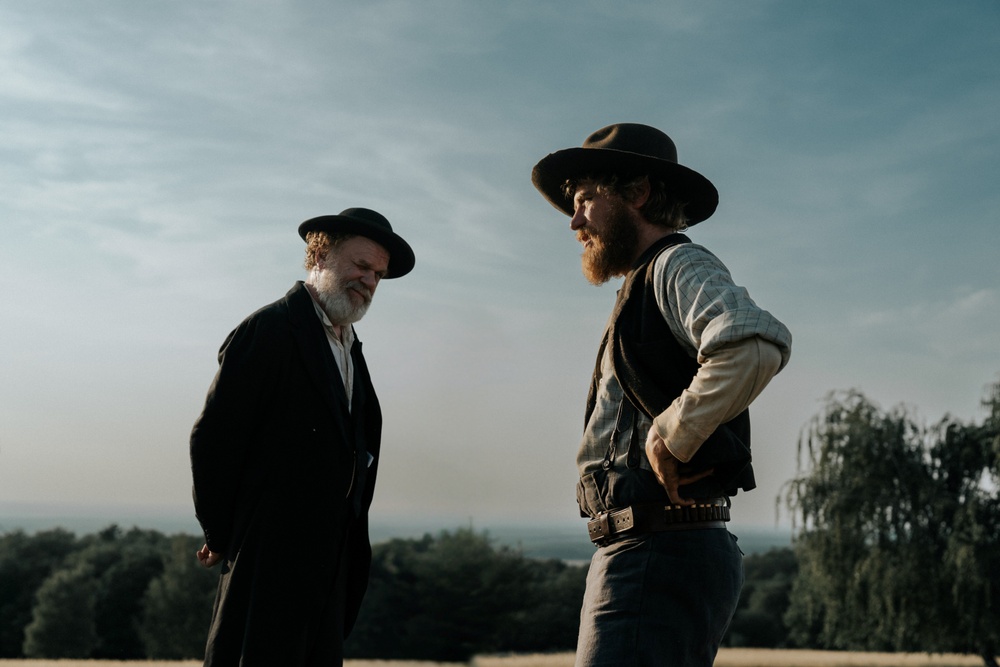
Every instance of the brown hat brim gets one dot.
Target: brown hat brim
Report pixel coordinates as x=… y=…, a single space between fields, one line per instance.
x=551 y=173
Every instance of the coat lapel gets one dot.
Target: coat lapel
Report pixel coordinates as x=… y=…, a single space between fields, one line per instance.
x=314 y=348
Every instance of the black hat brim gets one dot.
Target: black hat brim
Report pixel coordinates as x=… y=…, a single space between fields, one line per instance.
x=401 y=258
x=551 y=173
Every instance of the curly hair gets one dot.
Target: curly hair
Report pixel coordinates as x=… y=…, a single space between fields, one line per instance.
x=662 y=208
x=318 y=244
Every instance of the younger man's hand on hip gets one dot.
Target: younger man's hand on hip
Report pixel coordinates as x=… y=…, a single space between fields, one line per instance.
x=666 y=467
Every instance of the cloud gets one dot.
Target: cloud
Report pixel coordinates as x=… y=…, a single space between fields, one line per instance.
x=957 y=330
x=158 y=158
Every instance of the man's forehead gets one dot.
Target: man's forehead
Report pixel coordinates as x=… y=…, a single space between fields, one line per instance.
x=584 y=186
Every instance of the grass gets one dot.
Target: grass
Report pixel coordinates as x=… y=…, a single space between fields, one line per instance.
x=794 y=658
x=749 y=657
x=198 y=663
x=736 y=657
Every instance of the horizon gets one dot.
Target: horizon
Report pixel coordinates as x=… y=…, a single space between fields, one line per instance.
x=31 y=517
x=560 y=539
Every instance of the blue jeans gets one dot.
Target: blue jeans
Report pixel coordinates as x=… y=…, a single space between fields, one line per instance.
x=660 y=599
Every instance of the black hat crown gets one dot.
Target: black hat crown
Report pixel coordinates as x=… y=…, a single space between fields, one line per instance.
x=370 y=224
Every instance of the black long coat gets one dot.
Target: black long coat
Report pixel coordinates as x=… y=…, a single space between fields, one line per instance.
x=283 y=479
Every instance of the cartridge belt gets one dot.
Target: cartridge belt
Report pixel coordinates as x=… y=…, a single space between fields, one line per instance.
x=655 y=517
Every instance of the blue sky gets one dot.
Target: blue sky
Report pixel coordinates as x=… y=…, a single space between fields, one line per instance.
x=158 y=157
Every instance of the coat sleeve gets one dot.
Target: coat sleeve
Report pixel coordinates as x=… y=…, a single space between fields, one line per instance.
x=224 y=433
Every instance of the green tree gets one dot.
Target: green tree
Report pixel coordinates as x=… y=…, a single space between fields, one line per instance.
x=105 y=580
x=25 y=562
x=62 y=624
x=450 y=597
x=467 y=592
x=178 y=605
x=390 y=600
x=122 y=565
x=899 y=542
x=759 y=619
x=549 y=618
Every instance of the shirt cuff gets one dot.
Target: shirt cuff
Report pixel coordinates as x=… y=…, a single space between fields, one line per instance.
x=726 y=383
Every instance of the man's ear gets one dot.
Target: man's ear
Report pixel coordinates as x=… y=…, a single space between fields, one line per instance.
x=642 y=190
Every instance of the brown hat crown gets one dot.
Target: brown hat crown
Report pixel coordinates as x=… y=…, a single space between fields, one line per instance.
x=634 y=138
x=626 y=148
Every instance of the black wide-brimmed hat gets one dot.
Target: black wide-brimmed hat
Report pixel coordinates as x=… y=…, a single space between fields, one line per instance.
x=627 y=148
x=372 y=225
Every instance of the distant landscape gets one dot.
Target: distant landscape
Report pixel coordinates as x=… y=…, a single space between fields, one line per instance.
x=561 y=540
x=430 y=556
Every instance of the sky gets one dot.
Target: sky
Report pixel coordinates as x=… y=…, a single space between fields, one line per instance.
x=157 y=158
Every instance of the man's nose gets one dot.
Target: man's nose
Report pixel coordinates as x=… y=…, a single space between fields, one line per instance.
x=369 y=280
x=577 y=221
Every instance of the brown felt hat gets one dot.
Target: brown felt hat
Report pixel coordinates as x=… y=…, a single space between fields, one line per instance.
x=626 y=148
x=372 y=225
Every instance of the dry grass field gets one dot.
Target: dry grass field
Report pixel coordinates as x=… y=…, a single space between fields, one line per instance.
x=768 y=658
x=727 y=658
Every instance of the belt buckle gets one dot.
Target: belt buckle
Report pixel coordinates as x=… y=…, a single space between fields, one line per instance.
x=609 y=524
x=598 y=527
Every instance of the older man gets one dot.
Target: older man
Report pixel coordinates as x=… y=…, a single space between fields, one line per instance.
x=667 y=432
x=285 y=454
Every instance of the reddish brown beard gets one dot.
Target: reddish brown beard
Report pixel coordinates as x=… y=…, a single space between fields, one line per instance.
x=612 y=252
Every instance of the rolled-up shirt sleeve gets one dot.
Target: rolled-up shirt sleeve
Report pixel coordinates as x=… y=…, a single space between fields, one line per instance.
x=738 y=345
x=724 y=386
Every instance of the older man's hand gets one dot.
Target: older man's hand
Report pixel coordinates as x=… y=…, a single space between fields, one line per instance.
x=666 y=467
x=207 y=557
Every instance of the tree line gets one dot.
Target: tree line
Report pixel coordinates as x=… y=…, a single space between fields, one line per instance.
x=119 y=595
x=897 y=548
x=140 y=594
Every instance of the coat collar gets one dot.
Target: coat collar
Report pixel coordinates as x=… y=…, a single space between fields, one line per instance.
x=314 y=348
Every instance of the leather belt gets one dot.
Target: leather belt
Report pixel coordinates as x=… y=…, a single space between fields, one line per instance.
x=655 y=517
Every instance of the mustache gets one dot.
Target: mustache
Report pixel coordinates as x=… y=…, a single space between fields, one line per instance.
x=359 y=287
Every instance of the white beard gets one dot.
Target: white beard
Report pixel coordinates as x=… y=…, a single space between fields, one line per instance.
x=335 y=299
